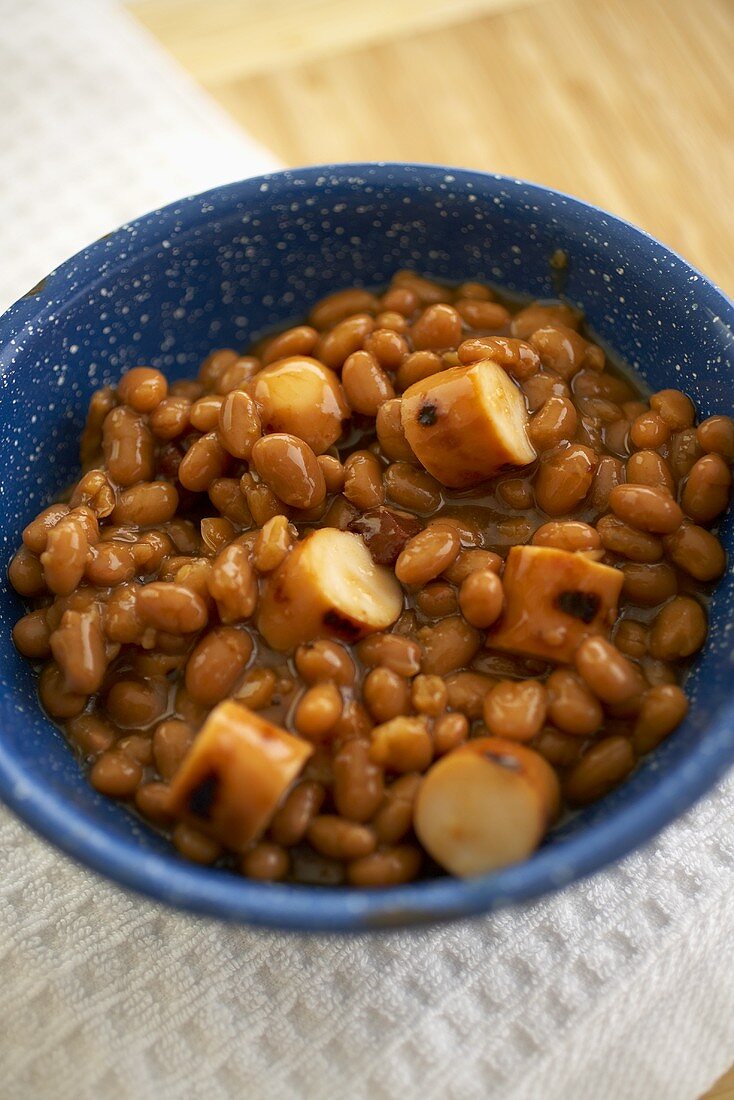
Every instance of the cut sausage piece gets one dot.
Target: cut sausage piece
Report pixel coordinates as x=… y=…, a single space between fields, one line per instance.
x=485 y=805
x=328 y=586
x=465 y=423
x=301 y=397
x=553 y=600
x=235 y=775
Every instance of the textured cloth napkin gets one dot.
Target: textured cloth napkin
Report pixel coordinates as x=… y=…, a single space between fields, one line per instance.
x=619 y=988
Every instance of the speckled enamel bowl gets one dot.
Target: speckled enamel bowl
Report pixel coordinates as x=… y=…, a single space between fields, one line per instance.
x=215 y=269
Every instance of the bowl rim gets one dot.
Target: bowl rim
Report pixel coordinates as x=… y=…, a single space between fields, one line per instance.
x=207 y=891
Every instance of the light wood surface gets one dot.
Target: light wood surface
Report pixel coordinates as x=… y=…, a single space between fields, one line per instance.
x=626 y=103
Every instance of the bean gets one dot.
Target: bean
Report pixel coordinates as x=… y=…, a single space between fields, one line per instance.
x=648 y=584
x=650 y=468
x=262 y=502
x=600 y=769
x=65 y=556
x=216 y=664
x=115 y=774
x=289 y=467
x=437 y=328
x=272 y=544
x=562 y=750
x=528 y=320
x=214 y=366
x=265 y=862
x=299 y=340
x=571 y=535
x=128 y=447
x=395 y=816
x=683 y=452
x=591 y=383
x=516 y=356
x=611 y=677
x=238 y=374
x=363 y=480
x=55 y=696
x=416 y=366
x=697 y=552
x=400 y=300
x=101 y=403
x=402 y=744
x=91 y=734
x=630 y=638
x=171 y=607
x=389 y=867
x=366 y=384
x=257 y=688
x=358 y=787
x=239 y=424
x=342 y=303
x=649 y=431
x=436 y=601
x=516 y=709
x=31 y=636
x=35 y=534
x=401 y=655
x=134 y=705
x=564 y=478
x=663 y=708
x=556 y=421
x=716 y=436
x=78 y=647
x=204 y=461
x=517 y=493
x=170 y=419
x=318 y=711
x=562 y=350
x=609 y=472
x=675 y=408
x=194 y=845
x=346 y=337
x=678 y=630
x=427 y=554
x=646 y=508
x=26 y=574
x=450 y=644
x=138 y=746
x=151 y=799
x=425 y=290
x=571 y=706
x=336 y=838
x=412 y=489
x=389 y=428
x=386 y=695
x=481 y=598
x=204 y=416
x=292 y=819
x=706 y=492
x=473 y=561
x=232 y=584
x=628 y=542
x=172 y=739
x=449 y=731
x=539 y=388
x=429 y=695
x=146 y=504
x=325 y=660
x=385 y=343
x=467 y=692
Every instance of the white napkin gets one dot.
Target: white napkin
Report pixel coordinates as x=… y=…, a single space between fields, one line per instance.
x=619 y=988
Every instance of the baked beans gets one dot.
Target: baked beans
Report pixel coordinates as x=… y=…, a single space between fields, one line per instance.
x=300 y=568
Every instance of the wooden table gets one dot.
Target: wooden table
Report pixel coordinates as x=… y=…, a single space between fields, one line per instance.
x=626 y=103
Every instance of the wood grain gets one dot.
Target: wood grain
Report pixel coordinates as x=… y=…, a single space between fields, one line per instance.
x=225 y=39
x=626 y=103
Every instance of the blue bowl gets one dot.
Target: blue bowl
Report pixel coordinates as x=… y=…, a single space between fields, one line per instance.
x=214 y=270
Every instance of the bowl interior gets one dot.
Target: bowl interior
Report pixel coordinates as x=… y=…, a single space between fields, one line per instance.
x=215 y=270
